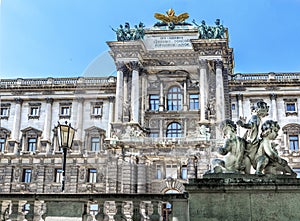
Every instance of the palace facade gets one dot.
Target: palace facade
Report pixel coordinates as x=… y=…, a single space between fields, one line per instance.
x=149 y=129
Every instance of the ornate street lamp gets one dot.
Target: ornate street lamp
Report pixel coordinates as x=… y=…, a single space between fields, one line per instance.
x=65 y=138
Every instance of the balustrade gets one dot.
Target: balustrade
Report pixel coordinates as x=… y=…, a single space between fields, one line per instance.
x=92 y=207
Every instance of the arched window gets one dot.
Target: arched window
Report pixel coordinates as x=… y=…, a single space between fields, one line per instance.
x=174 y=99
x=174 y=130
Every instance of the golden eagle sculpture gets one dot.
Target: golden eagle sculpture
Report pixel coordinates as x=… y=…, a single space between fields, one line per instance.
x=171 y=17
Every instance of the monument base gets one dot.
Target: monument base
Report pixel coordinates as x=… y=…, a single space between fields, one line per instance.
x=235 y=197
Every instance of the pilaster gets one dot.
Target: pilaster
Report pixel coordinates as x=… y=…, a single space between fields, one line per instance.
x=220 y=99
x=273 y=98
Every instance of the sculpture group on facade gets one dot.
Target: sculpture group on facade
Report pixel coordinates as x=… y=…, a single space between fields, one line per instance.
x=256 y=149
x=127 y=34
x=210 y=32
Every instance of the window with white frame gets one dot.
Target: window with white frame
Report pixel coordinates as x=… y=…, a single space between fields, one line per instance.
x=34 y=110
x=2 y=144
x=30 y=137
x=194 y=101
x=58 y=175
x=292 y=132
x=27 y=175
x=294 y=142
x=65 y=110
x=171 y=171
x=94 y=138
x=96 y=109
x=290 y=107
x=174 y=101
x=158 y=174
x=4 y=110
x=153 y=102
x=31 y=145
x=184 y=172
x=4 y=134
x=92 y=175
x=95 y=143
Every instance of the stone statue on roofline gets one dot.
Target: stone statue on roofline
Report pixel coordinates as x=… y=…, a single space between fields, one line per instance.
x=255 y=149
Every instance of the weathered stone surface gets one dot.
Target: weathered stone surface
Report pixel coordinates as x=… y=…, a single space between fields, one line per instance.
x=235 y=197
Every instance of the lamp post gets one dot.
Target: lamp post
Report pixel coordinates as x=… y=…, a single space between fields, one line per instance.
x=65 y=139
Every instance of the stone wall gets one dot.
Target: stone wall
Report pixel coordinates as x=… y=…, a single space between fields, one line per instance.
x=241 y=198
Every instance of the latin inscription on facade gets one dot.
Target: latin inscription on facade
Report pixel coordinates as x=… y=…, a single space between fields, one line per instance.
x=169 y=42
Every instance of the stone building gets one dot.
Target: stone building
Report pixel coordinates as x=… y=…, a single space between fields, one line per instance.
x=149 y=129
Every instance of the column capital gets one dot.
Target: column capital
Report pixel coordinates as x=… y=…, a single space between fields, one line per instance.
x=121 y=66
x=219 y=64
x=111 y=98
x=203 y=63
x=79 y=99
x=273 y=96
x=18 y=100
x=135 y=65
x=49 y=100
x=239 y=97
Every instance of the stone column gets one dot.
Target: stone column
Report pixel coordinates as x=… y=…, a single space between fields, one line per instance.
x=220 y=99
x=119 y=92
x=48 y=119
x=16 y=124
x=185 y=106
x=143 y=99
x=126 y=105
x=110 y=115
x=161 y=129
x=161 y=97
x=47 y=123
x=202 y=90
x=240 y=105
x=286 y=142
x=273 y=98
x=79 y=119
x=135 y=92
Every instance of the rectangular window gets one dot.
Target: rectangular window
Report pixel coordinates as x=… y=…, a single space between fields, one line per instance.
x=171 y=171
x=95 y=144
x=294 y=142
x=97 y=110
x=92 y=175
x=34 y=111
x=158 y=172
x=233 y=107
x=4 y=111
x=154 y=102
x=26 y=175
x=2 y=144
x=290 y=107
x=65 y=110
x=31 y=144
x=194 y=102
x=58 y=175
x=184 y=172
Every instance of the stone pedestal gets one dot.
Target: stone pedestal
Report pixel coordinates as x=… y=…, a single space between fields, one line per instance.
x=243 y=197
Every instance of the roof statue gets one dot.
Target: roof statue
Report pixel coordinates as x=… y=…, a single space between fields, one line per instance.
x=210 y=32
x=171 y=19
x=129 y=34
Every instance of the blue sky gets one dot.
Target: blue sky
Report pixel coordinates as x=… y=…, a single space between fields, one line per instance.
x=60 y=38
